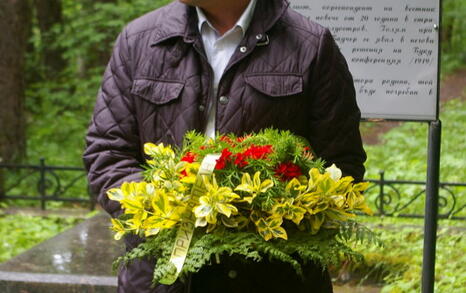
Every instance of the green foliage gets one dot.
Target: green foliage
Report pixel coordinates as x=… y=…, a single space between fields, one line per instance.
x=453 y=30
x=327 y=248
x=20 y=233
x=59 y=108
x=403 y=154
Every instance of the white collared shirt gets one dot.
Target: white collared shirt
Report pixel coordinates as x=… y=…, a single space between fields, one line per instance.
x=219 y=50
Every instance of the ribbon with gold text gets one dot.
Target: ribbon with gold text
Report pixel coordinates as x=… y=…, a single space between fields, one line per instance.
x=186 y=229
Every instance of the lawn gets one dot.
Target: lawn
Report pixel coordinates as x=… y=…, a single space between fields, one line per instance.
x=397 y=266
x=21 y=232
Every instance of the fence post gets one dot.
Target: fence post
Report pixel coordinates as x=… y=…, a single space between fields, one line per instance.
x=42 y=183
x=431 y=206
x=381 y=192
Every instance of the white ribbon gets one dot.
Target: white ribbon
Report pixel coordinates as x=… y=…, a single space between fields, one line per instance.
x=186 y=230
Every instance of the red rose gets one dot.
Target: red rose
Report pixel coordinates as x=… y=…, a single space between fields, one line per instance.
x=287 y=171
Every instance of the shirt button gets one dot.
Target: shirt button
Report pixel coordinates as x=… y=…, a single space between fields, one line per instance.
x=232 y=274
x=201 y=108
x=223 y=100
x=259 y=36
x=243 y=49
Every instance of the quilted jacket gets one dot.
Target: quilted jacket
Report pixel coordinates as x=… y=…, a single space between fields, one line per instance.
x=287 y=73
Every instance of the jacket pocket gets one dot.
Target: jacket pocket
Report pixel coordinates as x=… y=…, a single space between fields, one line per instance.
x=158 y=92
x=276 y=84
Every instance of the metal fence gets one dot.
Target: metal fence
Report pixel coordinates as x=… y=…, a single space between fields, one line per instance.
x=45 y=183
x=390 y=198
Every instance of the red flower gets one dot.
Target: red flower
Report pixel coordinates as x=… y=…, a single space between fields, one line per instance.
x=240 y=160
x=224 y=159
x=287 y=171
x=258 y=152
x=189 y=157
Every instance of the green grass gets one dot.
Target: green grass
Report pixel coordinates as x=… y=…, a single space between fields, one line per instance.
x=403 y=151
x=20 y=232
x=398 y=265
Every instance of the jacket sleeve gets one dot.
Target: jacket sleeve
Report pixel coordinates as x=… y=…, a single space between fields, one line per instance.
x=113 y=153
x=335 y=116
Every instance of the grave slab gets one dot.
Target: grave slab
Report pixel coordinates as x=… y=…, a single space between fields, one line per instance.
x=77 y=260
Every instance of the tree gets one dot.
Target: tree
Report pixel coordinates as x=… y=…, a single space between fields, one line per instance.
x=15 y=23
x=49 y=13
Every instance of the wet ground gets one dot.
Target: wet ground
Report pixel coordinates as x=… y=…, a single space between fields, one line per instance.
x=77 y=260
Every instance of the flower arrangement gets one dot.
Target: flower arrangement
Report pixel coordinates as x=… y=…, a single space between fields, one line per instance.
x=259 y=195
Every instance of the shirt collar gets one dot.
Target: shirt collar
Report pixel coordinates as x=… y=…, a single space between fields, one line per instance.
x=243 y=22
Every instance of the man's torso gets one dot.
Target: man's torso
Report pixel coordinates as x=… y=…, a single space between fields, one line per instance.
x=265 y=84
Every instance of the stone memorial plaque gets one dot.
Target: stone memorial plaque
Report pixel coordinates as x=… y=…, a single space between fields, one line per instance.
x=392 y=51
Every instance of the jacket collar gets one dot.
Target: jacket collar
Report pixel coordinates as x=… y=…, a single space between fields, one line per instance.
x=183 y=21
x=243 y=22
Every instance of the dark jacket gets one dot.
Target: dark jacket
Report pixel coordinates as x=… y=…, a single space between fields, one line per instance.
x=287 y=73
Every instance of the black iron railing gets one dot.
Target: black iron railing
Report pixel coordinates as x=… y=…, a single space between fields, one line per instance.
x=392 y=198
x=45 y=183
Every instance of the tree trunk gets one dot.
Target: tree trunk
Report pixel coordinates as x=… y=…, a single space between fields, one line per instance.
x=49 y=13
x=15 y=23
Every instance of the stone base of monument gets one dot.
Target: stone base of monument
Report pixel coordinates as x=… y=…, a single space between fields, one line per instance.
x=77 y=260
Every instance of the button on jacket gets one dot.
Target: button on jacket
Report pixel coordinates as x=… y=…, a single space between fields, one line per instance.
x=287 y=73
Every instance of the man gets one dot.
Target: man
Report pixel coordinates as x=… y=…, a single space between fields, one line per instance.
x=228 y=66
